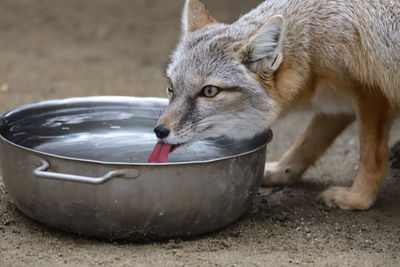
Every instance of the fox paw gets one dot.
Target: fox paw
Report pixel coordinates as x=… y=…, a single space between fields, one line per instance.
x=275 y=174
x=345 y=198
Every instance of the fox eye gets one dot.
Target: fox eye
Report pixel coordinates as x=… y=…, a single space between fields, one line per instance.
x=170 y=90
x=210 y=91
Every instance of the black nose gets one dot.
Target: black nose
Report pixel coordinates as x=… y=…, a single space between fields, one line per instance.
x=161 y=131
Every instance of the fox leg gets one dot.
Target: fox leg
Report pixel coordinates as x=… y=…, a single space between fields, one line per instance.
x=375 y=118
x=319 y=135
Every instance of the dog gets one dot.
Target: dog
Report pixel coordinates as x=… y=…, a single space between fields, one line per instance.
x=340 y=57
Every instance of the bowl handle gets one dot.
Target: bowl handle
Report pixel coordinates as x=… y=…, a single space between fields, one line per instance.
x=42 y=172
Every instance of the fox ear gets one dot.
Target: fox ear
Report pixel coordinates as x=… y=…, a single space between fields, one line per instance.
x=263 y=51
x=195 y=16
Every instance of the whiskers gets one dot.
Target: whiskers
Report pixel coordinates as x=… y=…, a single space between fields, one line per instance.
x=159 y=112
x=219 y=126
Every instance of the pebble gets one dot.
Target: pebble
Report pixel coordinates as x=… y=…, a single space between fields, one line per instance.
x=4 y=87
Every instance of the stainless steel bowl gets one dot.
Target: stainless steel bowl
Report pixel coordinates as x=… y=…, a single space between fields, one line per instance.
x=80 y=165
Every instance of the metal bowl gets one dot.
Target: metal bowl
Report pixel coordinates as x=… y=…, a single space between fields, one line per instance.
x=80 y=165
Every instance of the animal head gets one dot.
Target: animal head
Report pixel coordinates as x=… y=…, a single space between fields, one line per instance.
x=219 y=78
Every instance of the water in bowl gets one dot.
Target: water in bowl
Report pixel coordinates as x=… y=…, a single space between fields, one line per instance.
x=119 y=134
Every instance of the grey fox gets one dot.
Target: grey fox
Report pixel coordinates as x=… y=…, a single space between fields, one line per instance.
x=341 y=57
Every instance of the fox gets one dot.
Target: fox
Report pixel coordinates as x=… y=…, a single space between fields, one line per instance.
x=339 y=57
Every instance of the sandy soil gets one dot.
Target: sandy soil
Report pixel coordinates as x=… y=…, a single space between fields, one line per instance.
x=55 y=49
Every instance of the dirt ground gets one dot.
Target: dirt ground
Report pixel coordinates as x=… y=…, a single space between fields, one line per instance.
x=56 y=49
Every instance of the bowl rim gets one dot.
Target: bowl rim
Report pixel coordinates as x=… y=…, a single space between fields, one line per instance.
x=109 y=99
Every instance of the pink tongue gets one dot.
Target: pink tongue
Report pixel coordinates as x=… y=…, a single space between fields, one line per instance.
x=160 y=153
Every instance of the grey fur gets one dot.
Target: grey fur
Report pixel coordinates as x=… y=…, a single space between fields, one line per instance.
x=325 y=38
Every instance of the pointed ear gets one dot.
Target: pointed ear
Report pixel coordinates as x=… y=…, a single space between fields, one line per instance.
x=263 y=51
x=195 y=16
